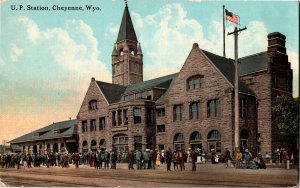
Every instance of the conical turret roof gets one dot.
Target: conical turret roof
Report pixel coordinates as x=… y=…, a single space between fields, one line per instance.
x=126 y=30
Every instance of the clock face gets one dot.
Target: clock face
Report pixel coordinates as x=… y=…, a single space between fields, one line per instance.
x=134 y=67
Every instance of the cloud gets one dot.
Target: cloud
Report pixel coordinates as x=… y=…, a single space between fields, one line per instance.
x=172 y=35
x=15 y=52
x=198 y=1
x=294 y=60
x=112 y=29
x=54 y=74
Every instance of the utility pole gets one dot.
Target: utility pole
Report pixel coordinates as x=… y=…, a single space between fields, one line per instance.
x=236 y=89
x=224 y=53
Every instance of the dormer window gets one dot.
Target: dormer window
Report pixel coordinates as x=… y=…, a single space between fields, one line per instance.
x=195 y=82
x=93 y=105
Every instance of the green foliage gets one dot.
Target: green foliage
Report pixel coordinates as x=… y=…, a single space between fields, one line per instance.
x=285 y=111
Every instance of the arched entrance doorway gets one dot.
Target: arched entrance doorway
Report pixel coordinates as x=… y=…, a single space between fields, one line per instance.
x=178 y=142
x=93 y=145
x=41 y=149
x=48 y=148
x=55 y=147
x=195 y=140
x=85 y=147
x=34 y=150
x=214 y=141
x=120 y=143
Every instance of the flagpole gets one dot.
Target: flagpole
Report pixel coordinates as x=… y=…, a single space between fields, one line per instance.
x=224 y=54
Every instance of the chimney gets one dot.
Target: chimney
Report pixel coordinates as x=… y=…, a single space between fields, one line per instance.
x=276 y=43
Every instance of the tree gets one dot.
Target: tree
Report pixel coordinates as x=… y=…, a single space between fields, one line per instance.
x=285 y=111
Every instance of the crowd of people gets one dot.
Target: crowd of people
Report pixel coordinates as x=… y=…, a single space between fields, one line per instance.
x=147 y=159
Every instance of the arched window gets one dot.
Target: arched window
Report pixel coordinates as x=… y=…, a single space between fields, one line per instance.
x=93 y=145
x=121 y=52
x=243 y=139
x=178 y=141
x=93 y=105
x=195 y=140
x=195 y=82
x=102 y=143
x=132 y=51
x=120 y=143
x=214 y=141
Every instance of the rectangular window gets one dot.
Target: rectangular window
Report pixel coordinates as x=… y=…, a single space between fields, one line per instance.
x=93 y=125
x=119 y=117
x=161 y=128
x=177 y=112
x=213 y=108
x=194 y=110
x=138 y=142
x=137 y=117
x=125 y=117
x=102 y=123
x=84 y=126
x=114 y=121
x=243 y=108
x=160 y=112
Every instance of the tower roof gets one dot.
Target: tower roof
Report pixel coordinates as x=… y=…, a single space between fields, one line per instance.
x=126 y=30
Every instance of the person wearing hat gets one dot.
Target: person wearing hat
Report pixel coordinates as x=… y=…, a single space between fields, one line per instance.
x=146 y=158
x=130 y=160
x=169 y=159
x=227 y=157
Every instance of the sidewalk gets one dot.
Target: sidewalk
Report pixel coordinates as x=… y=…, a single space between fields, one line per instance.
x=208 y=167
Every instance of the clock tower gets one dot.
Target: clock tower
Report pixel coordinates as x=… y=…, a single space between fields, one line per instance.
x=127 y=57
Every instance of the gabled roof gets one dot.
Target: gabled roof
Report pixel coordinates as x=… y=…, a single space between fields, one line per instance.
x=162 y=82
x=226 y=66
x=112 y=92
x=55 y=130
x=126 y=30
x=253 y=63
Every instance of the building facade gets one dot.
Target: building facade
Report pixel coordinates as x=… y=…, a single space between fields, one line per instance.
x=57 y=137
x=191 y=108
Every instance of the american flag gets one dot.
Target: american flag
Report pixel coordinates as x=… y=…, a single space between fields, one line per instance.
x=231 y=17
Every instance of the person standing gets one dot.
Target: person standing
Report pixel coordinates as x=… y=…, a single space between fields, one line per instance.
x=169 y=159
x=114 y=158
x=174 y=158
x=138 y=157
x=153 y=157
x=76 y=159
x=227 y=157
x=179 y=156
x=130 y=160
x=193 y=159
x=18 y=161
x=146 y=158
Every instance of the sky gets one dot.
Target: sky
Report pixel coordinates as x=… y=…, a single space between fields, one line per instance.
x=47 y=58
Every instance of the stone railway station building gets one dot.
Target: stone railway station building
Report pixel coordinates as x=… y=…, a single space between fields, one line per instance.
x=191 y=108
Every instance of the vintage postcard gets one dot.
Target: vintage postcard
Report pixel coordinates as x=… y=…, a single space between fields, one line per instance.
x=149 y=93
